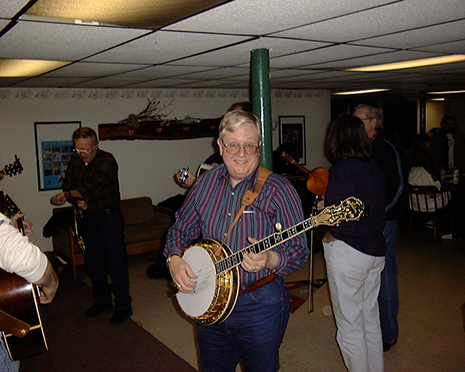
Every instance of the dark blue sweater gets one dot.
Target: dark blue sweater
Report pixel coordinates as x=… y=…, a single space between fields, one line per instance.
x=365 y=181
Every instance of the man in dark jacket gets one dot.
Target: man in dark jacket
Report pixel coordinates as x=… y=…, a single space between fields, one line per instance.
x=387 y=157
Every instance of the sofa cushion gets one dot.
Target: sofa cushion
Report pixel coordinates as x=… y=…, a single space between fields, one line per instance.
x=137 y=210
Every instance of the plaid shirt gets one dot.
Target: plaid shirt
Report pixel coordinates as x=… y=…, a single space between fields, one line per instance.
x=212 y=205
x=97 y=181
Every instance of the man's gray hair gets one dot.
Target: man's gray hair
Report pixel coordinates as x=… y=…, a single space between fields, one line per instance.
x=375 y=112
x=234 y=119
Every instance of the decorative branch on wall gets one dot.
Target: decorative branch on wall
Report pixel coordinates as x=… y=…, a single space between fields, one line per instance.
x=151 y=124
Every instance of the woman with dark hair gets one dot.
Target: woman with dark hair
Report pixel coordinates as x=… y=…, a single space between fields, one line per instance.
x=354 y=251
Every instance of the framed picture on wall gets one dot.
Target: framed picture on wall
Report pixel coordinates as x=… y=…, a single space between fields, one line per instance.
x=54 y=148
x=292 y=130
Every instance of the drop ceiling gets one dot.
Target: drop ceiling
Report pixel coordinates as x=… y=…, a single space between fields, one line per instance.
x=208 y=44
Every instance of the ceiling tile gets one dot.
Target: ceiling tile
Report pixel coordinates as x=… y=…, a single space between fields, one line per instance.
x=403 y=15
x=315 y=57
x=417 y=38
x=161 y=47
x=62 y=42
x=88 y=69
x=261 y=17
x=162 y=71
x=39 y=82
x=9 y=8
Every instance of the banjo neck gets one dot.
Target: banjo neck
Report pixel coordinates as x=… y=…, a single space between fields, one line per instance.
x=351 y=209
x=264 y=245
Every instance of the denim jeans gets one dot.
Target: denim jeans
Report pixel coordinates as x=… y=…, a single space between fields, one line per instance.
x=388 y=299
x=6 y=364
x=106 y=254
x=252 y=333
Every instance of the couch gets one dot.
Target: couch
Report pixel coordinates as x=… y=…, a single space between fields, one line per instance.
x=145 y=229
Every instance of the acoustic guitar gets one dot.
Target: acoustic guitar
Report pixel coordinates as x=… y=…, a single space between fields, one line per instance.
x=318 y=178
x=12 y=169
x=216 y=266
x=20 y=300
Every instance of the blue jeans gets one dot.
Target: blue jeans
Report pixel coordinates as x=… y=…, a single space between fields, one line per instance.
x=106 y=254
x=6 y=364
x=388 y=299
x=253 y=332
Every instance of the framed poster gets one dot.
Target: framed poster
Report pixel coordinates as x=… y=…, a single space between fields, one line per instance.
x=54 y=148
x=292 y=129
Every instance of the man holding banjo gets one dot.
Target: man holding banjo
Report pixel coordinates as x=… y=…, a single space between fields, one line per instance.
x=233 y=205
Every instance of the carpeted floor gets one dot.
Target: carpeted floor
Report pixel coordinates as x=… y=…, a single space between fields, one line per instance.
x=299 y=292
x=80 y=344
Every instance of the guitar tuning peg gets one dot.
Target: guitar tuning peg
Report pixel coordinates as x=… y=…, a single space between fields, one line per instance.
x=278 y=227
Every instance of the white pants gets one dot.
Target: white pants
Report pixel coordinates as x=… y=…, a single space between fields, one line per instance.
x=354 y=282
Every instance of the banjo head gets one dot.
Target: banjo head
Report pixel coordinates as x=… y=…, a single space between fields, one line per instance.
x=215 y=294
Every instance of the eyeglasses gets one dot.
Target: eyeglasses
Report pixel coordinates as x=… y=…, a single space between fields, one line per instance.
x=235 y=148
x=82 y=151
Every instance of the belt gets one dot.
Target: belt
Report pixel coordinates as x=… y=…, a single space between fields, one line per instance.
x=259 y=283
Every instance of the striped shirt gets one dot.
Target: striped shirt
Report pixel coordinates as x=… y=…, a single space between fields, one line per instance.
x=212 y=204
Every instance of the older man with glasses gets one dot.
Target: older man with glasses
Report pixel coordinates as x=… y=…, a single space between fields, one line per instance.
x=91 y=184
x=254 y=330
x=388 y=159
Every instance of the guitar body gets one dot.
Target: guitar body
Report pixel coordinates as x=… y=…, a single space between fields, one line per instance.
x=215 y=293
x=20 y=299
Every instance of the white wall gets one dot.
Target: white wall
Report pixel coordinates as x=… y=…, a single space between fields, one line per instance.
x=146 y=166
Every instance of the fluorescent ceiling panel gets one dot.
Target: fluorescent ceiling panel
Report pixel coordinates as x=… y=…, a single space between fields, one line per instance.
x=411 y=64
x=390 y=57
x=27 y=67
x=133 y=13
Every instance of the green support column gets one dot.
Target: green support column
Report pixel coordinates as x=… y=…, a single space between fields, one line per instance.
x=260 y=76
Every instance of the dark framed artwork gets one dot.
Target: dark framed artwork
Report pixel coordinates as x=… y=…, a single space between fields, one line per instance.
x=292 y=130
x=54 y=148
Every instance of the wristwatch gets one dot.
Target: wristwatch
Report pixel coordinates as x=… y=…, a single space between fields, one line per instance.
x=168 y=260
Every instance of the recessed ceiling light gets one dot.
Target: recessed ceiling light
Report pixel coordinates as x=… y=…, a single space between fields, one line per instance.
x=359 y=92
x=411 y=64
x=27 y=67
x=448 y=92
x=437 y=99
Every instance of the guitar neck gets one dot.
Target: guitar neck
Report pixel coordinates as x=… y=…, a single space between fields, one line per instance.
x=293 y=162
x=10 y=210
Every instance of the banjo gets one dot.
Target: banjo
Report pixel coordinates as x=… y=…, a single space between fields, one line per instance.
x=217 y=267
